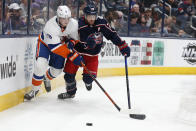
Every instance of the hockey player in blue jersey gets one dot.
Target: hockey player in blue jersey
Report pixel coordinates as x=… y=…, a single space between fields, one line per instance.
x=91 y=30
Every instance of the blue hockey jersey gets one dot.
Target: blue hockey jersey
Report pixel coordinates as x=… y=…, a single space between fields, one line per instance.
x=100 y=26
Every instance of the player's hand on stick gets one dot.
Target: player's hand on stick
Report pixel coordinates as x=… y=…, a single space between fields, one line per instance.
x=125 y=49
x=76 y=58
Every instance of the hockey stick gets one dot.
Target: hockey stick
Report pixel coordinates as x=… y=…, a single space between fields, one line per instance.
x=135 y=116
x=114 y=103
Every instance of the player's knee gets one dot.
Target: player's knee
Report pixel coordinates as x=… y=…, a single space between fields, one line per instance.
x=69 y=78
x=87 y=78
x=55 y=72
x=41 y=66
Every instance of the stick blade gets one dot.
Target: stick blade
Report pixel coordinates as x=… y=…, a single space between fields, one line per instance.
x=138 y=116
x=133 y=113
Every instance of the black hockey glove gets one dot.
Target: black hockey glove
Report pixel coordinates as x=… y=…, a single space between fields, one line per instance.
x=125 y=49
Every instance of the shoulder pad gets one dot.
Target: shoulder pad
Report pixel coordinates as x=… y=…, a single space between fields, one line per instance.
x=99 y=17
x=73 y=22
x=72 y=29
x=101 y=20
x=52 y=27
x=72 y=26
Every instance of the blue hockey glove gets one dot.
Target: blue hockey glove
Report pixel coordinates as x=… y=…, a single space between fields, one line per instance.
x=76 y=58
x=71 y=44
x=125 y=49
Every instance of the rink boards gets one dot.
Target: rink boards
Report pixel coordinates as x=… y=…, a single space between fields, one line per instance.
x=148 y=56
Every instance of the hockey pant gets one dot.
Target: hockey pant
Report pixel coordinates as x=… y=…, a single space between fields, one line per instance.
x=91 y=62
x=43 y=56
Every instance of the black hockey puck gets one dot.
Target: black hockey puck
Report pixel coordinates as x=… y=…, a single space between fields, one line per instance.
x=89 y=124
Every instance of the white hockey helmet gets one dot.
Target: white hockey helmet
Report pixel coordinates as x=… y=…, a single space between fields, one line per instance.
x=63 y=11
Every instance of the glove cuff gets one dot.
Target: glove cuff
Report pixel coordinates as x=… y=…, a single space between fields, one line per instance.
x=74 y=56
x=74 y=42
x=124 y=45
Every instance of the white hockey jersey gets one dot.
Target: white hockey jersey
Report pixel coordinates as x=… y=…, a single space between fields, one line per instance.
x=53 y=33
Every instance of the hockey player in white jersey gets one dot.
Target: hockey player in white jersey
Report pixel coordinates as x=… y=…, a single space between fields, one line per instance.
x=54 y=45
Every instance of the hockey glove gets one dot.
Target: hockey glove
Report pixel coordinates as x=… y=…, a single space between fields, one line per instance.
x=76 y=58
x=71 y=44
x=124 y=49
x=93 y=39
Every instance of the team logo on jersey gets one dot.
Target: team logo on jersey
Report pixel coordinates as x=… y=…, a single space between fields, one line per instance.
x=189 y=53
x=49 y=36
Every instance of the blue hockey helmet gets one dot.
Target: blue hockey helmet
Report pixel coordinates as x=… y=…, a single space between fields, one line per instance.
x=90 y=9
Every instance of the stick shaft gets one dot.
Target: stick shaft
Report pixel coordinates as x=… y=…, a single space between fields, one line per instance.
x=134 y=116
x=117 y=107
x=127 y=82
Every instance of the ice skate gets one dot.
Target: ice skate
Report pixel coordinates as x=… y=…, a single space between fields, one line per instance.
x=88 y=86
x=47 y=84
x=31 y=94
x=65 y=96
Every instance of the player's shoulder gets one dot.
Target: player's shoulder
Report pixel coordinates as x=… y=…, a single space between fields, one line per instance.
x=51 y=26
x=181 y=3
x=100 y=20
x=72 y=26
x=73 y=21
x=51 y=22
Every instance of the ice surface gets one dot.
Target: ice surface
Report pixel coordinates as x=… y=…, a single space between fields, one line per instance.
x=159 y=97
